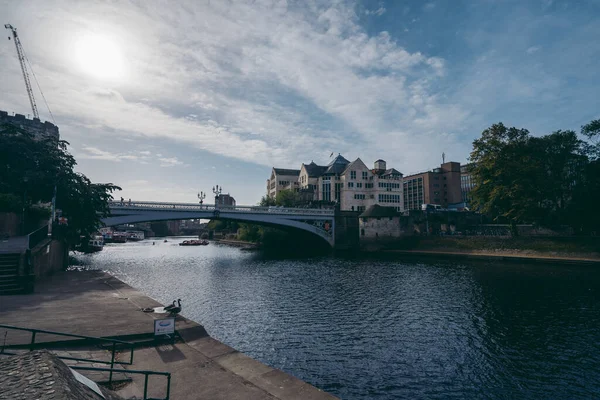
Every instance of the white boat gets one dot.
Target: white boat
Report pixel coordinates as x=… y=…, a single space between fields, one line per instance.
x=135 y=236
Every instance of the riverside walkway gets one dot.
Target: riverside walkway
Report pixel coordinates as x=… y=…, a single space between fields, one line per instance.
x=93 y=303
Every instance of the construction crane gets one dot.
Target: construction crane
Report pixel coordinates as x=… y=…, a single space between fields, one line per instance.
x=21 y=55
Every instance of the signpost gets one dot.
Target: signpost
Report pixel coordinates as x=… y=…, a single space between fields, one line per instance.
x=164 y=327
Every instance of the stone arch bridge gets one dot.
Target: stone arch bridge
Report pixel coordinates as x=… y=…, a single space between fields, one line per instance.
x=320 y=222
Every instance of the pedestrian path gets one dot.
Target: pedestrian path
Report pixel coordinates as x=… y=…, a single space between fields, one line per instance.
x=93 y=303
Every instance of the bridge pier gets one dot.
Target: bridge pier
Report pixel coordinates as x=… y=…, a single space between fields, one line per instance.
x=346 y=232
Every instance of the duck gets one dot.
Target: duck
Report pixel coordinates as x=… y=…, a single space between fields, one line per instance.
x=176 y=310
x=170 y=306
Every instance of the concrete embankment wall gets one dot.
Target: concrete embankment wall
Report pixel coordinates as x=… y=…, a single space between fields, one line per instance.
x=49 y=257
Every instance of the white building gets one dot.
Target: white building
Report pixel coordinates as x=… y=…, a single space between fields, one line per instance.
x=282 y=178
x=352 y=185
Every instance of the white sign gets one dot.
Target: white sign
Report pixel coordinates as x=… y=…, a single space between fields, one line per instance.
x=87 y=382
x=164 y=326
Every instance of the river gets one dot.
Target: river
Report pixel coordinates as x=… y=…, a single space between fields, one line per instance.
x=385 y=329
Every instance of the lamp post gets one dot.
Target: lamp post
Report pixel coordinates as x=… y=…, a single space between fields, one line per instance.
x=201 y=197
x=25 y=180
x=217 y=190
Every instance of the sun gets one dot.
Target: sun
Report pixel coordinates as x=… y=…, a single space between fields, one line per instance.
x=100 y=57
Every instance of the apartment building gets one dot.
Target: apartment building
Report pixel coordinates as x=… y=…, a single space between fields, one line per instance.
x=352 y=185
x=282 y=179
x=439 y=186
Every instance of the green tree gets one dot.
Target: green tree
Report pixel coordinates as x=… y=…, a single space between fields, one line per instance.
x=32 y=167
x=524 y=178
x=504 y=173
x=287 y=198
x=266 y=201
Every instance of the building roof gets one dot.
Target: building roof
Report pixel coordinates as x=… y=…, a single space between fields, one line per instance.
x=313 y=170
x=392 y=171
x=380 y=160
x=353 y=163
x=285 y=171
x=337 y=165
x=376 y=211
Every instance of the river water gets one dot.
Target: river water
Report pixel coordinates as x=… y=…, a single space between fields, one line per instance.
x=385 y=329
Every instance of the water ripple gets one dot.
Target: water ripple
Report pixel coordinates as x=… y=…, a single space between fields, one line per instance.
x=372 y=329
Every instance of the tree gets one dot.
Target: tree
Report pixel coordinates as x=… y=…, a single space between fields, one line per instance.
x=524 y=178
x=266 y=201
x=30 y=169
x=287 y=198
x=504 y=173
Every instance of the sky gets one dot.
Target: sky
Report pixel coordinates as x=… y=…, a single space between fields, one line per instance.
x=166 y=99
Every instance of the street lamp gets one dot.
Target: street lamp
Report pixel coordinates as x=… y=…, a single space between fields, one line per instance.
x=201 y=197
x=217 y=191
x=25 y=180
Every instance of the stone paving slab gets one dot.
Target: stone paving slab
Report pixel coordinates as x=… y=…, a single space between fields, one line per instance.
x=93 y=303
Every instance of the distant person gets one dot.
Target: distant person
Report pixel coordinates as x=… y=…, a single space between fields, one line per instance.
x=129 y=201
x=122 y=200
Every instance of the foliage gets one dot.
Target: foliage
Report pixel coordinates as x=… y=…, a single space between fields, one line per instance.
x=31 y=168
x=527 y=179
x=160 y=228
x=250 y=233
x=287 y=198
x=266 y=201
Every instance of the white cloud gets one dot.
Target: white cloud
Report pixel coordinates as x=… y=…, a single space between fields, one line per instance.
x=533 y=49
x=169 y=161
x=379 y=12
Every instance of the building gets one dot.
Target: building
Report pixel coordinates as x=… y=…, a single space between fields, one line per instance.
x=282 y=179
x=37 y=128
x=439 y=186
x=379 y=222
x=225 y=200
x=466 y=183
x=351 y=185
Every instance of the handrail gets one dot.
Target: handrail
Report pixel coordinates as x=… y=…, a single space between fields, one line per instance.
x=145 y=205
x=37 y=236
x=114 y=342
x=133 y=371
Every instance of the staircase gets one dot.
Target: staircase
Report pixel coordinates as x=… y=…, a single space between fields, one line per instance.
x=10 y=282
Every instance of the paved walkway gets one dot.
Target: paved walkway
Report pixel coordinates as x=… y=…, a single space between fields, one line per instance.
x=93 y=303
x=482 y=255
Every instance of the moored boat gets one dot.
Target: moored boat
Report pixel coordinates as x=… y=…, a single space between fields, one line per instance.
x=194 y=242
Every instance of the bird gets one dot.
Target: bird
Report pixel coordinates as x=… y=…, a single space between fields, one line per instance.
x=170 y=306
x=331 y=155
x=176 y=310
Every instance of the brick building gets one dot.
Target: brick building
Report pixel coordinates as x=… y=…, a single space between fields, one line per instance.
x=439 y=186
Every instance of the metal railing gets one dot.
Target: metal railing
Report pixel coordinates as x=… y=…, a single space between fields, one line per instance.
x=37 y=236
x=34 y=333
x=132 y=371
x=162 y=206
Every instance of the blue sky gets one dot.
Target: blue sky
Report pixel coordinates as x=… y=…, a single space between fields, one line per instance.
x=167 y=99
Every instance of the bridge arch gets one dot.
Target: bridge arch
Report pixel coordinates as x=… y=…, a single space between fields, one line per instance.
x=316 y=221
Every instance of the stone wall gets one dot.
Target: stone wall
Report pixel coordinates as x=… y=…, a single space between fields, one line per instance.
x=48 y=258
x=383 y=227
x=38 y=128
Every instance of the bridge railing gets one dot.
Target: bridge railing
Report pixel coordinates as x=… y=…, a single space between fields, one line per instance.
x=162 y=206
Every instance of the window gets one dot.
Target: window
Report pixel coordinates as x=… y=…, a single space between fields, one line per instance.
x=360 y=208
x=352 y=174
x=326 y=191
x=359 y=196
x=350 y=184
x=436 y=185
x=359 y=184
x=365 y=175
x=369 y=185
x=338 y=188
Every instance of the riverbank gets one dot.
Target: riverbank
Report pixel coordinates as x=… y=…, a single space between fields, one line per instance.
x=239 y=243
x=94 y=303
x=522 y=249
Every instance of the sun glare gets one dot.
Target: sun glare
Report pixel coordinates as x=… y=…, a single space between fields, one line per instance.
x=100 y=57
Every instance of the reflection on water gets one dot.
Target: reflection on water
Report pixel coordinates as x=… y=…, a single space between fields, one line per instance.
x=380 y=329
